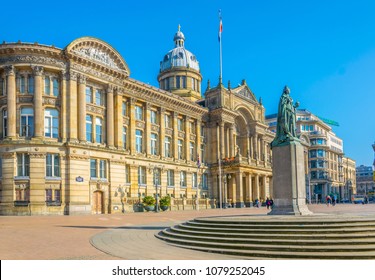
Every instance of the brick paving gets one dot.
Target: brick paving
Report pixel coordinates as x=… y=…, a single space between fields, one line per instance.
x=122 y=236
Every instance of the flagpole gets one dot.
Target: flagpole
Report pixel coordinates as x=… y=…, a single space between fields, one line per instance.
x=221 y=52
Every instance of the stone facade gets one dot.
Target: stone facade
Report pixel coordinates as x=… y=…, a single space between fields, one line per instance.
x=79 y=136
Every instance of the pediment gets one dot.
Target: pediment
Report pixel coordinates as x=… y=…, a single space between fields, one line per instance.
x=99 y=52
x=246 y=92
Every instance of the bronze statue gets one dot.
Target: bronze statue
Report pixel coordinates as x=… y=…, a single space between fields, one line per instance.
x=286 y=120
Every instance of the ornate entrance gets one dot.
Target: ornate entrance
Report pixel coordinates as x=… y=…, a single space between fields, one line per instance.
x=98 y=202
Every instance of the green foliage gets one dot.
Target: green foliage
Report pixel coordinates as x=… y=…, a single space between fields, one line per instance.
x=148 y=200
x=165 y=201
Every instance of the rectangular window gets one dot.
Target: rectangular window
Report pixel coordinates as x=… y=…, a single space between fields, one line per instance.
x=52 y=165
x=27 y=122
x=167 y=147
x=180 y=124
x=47 y=86
x=56 y=87
x=5 y=124
x=178 y=82
x=194 y=180
x=127 y=174
x=124 y=110
x=99 y=97
x=154 y=144
x=202 y=158
x=30 y=84
x=139 y=141
x=180 y=145
x=184 y=82
x=204 y=181
x=141 y=175
x=98 y=130
x=170 y=178
x=192 y=151
x=183 y=179
x=23 y=165
x=124 y=139
x=89 y=95
x=103 y=169
x=192 y=127
x=22 y=85
x=139 y=113
x=153 y=117
x=2 y=85
x=51 y=123
x=93 y=168
x=88 y=128
x=168 y=123
x=157 y=177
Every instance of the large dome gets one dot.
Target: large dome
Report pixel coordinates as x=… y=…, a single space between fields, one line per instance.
x=179 y=56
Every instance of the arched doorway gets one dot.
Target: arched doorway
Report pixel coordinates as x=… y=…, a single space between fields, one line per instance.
x=98 y=202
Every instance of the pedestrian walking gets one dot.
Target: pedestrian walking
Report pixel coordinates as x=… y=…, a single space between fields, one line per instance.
x=328 y=200
x=268 y=203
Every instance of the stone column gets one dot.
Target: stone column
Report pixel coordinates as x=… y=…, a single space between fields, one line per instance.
x=249 y=190
x=11 y=101
x=162 y=132
x=110 y=117
x=255 y=142
x=187 y=138
x=63 y=106
x=132 y=125
x=72 y=115
x=231 y=144
x=265 y=193
x=251 y=147
x=257 y=194
x=175 y=136
x=198 y=140
x=118 y=119
x=38 y=102
x=222 y=146
x=147 y=134
x=239 y=191
x=81 y=108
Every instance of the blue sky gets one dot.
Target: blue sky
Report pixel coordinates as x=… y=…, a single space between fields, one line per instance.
x=323 y=50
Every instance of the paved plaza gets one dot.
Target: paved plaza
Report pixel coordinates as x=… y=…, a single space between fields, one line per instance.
x=122 y=236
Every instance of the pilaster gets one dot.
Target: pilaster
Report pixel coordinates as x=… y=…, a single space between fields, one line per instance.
x=82 y=108
x=38 y=101
x=162 y=132
x=110 y=117
x=72 y=116
x=118 y=119
x=11 y=100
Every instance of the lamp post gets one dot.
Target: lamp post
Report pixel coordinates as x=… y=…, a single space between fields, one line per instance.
x=226 y=178
x=156 y=190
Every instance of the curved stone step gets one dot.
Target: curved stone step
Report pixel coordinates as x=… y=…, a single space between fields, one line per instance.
x=254 y=240
x=300 y=230
x=248 y=254
x=209 y=245
x=276 y=235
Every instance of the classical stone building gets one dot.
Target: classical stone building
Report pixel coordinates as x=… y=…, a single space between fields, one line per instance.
x=78 y=135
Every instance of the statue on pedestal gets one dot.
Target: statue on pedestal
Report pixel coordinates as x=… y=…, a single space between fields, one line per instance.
x=286 y=120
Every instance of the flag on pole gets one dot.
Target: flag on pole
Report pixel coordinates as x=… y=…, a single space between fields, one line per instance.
x=220 y=25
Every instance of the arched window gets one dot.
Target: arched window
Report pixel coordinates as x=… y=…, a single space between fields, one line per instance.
x=51 y=123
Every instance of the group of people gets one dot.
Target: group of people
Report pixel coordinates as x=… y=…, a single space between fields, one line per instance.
x=331 y=200
x=269 y=203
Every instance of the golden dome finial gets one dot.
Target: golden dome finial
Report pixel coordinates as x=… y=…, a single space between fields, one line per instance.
x=179 y=27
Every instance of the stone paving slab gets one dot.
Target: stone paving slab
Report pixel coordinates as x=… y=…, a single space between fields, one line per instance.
x=71 y=237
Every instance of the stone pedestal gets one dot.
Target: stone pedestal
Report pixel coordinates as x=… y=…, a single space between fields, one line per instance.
x=289 y=189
